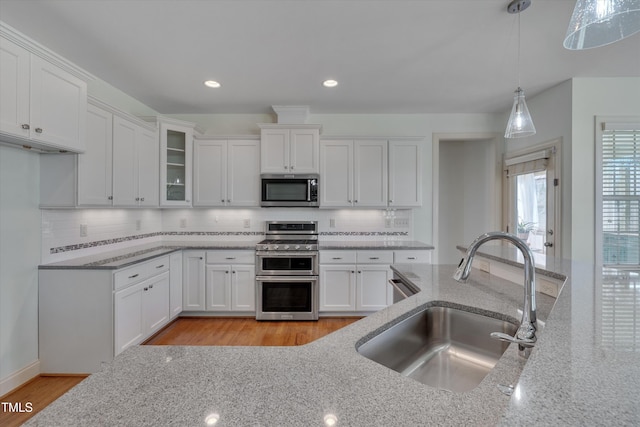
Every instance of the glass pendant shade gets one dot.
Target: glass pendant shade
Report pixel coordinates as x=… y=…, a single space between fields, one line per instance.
x=520 y=123
x=600 y=22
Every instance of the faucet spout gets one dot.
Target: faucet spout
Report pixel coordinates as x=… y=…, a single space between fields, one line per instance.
x=526 y=334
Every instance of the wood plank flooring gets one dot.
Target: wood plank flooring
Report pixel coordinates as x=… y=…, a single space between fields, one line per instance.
x=246 y=331
x=43 y=390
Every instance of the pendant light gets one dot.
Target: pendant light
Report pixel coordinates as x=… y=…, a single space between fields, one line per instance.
x=520 y=123
x=597 y=23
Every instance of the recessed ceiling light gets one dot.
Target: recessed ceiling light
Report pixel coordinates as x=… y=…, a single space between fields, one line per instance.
x=212 y=83
x=330 y=83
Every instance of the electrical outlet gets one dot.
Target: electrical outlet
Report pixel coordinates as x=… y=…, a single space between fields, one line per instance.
x=401 y=222
x=247 y=223
x=183 y=222
x=332 y=223
x=83 y=230
x=138 y=224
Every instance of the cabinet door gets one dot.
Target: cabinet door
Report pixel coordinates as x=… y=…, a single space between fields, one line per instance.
x=370 y=173
x=176 y=144
x=58 y=102
x=148 y=167
x=155 y=303
x=210 y=173
x=193 y=281
x=175 y=283
x=95 y=164
x=337 y=288
x=14 y=89
x=373 y=289
x=243 y=184
x=218 y=288
x=125 y=162
x=405 y=173
x=274 y=150
x=128 y=318
x=304 y=150
x=336 y=162
x=243 y=288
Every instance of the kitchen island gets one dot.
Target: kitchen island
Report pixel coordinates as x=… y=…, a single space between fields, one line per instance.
x=574 y=375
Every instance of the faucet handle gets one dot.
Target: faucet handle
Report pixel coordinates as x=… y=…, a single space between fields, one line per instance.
x=525 y=342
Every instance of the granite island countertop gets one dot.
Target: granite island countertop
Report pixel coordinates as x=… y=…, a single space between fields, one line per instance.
x=295 y=386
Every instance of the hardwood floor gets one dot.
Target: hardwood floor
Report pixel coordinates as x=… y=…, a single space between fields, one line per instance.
x=39 y=392
x=245 y=331
x=43 y=390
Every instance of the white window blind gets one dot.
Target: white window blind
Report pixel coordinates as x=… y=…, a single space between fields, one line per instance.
x=621 y=194
x=528 y=163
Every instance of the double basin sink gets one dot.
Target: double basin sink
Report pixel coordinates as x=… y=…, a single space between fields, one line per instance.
x=441 y=346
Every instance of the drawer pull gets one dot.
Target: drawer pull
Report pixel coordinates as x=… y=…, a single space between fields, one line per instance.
x=150 y=286
x=146 y=289
x=374 y=257
x=337 y=257
x=160 y=266
x=134 y=276
x=230 y=257
x=411 y=257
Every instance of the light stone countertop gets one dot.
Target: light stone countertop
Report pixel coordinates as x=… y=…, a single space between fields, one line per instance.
x=298 y=386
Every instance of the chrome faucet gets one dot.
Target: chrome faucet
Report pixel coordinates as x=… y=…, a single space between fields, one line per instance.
x=525 y=336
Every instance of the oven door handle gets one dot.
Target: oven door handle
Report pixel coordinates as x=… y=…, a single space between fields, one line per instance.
x=281 y=254
x=286 y=278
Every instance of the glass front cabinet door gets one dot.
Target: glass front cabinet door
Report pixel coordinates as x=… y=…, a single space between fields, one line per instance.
x=176 y=144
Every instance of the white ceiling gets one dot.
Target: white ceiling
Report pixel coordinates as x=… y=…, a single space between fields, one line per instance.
x=390 y=56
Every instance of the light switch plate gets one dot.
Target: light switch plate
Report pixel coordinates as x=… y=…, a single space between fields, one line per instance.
x=84 y=232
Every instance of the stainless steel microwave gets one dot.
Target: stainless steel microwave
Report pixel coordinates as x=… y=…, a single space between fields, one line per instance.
x=289 y=190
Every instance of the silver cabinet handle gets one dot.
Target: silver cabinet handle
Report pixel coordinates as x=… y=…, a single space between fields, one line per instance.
x=134 y=276
x=374 y=257
x=110 y=198
x=226 y=272
x=336 y=257
x=38 y=130
x=150 y=286
x=286 y=167
x=146 y=289
x=25 y=126
x=390 y=201
x=349 y=201
x=160 y=266
x=355 y=201
x=228 y=200
x=137 y=199
x=359 y=272
x=230 y=257
x=548 y=244
x=142 y=199
x=233 y=272
x=222 y=200
x=292 y=167
x=411 y=257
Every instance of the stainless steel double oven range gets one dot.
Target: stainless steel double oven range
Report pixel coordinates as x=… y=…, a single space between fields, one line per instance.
x=287 y=271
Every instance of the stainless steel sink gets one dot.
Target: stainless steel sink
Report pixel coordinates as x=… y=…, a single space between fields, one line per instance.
x=442 y=347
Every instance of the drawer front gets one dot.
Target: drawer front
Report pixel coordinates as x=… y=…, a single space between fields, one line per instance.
x=231 y=257
x=374 y=257
x=337 y=257
x=129 y=276
x=412 y=257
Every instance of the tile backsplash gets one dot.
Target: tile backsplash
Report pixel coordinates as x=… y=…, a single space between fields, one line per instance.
x=69 y=234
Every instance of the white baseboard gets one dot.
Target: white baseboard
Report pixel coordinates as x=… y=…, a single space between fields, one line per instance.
x=15 y=380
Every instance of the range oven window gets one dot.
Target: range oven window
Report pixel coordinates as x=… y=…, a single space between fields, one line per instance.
x=290 y=263
x=284 y=190
x=294 y=297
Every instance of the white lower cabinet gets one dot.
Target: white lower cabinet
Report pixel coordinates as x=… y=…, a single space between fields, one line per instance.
x=175 y=284
x=140 y=311
x=355 y=281
x=219 y=281
x=87 y=317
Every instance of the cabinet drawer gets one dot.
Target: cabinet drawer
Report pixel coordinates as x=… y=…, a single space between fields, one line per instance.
x=374 y=257
x=128 y=276
x=411 y=257
x=231 y=257
x=337 y=257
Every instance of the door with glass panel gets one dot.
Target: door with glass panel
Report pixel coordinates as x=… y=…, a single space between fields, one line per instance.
x=532 y=193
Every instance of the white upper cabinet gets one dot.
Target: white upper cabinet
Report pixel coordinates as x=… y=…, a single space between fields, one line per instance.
x=42 y=104
x=135 y=164
x=353 y=173
x=370 y=173
x=95 y=164
x=226 y=172
x=176 y=142
x=289 y=148
x=405 y=173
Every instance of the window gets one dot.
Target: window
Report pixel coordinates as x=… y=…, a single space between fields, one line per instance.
x=618 y=195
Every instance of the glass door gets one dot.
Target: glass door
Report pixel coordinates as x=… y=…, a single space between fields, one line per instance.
x=175 y=168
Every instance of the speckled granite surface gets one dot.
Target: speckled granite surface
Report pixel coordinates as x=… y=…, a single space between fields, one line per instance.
x=373 y=244
x=297 y=386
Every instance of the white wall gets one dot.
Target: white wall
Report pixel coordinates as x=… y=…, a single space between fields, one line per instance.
x=19 y=258
x=593 y=97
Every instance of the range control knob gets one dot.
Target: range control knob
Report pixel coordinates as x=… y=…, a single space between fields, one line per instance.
x=308 y=247
x=275 y=247
x=296 y=247
x=286 y=247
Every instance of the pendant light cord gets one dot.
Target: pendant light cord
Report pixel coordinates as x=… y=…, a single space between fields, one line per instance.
x=518 y=50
